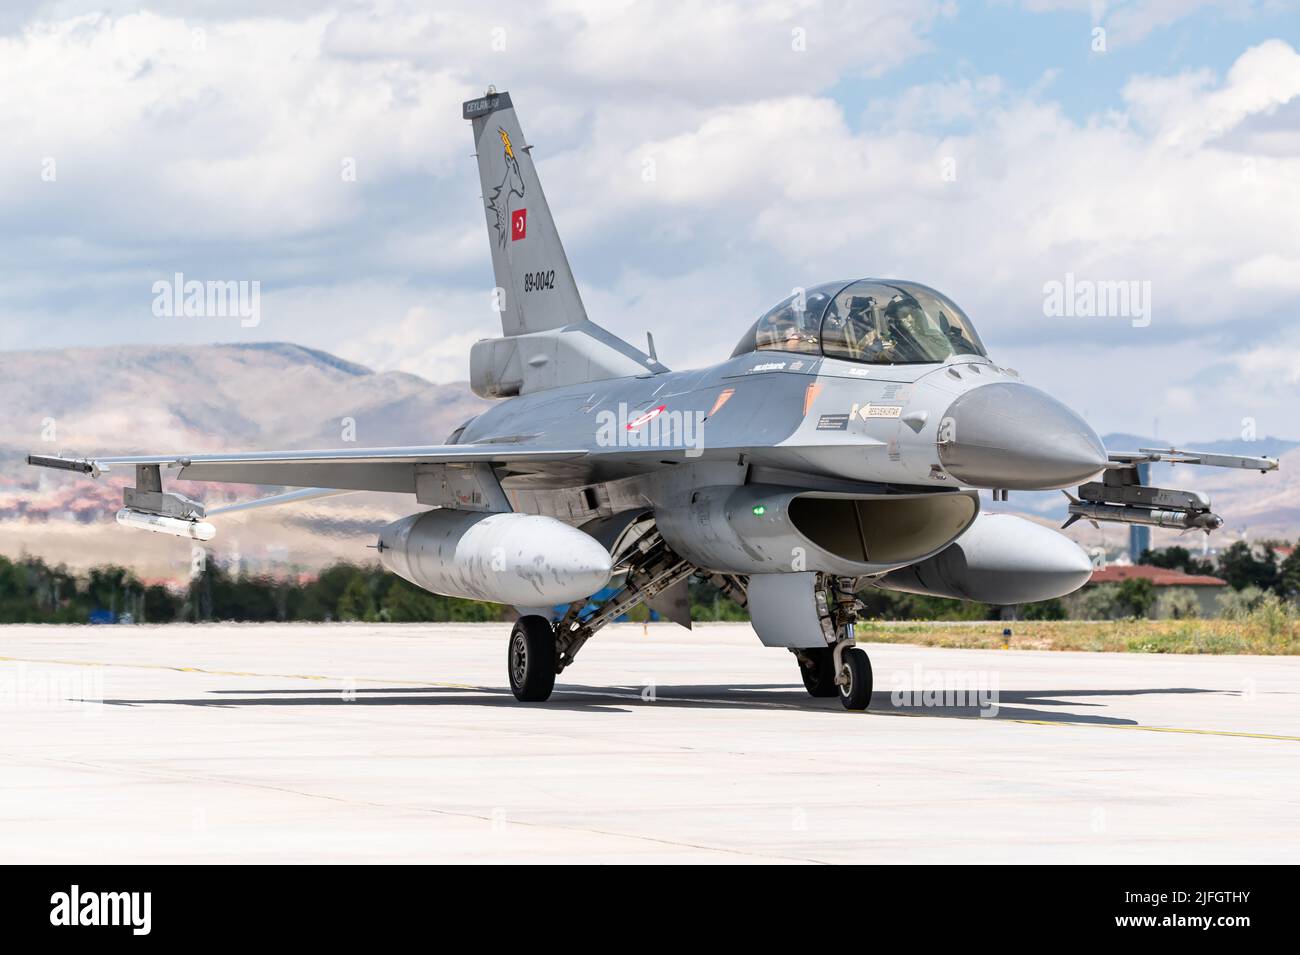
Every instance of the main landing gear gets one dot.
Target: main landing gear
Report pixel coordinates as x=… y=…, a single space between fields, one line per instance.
x=540 y=649
x=530 y=659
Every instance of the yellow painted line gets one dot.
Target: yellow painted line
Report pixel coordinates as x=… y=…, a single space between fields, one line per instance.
x=1067 y=723
x=274 y=676
x=1154 y=729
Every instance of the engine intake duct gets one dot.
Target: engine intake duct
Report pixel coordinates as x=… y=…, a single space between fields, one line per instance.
x=767 y=529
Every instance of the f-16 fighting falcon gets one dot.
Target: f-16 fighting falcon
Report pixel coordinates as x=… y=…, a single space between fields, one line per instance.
x=841 y=446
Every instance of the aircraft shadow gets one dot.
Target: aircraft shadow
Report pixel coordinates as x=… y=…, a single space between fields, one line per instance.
x=1052 y=705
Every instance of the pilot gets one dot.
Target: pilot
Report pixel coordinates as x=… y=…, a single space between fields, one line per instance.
x=858 y=330
x=776 y=330
x=955 y=336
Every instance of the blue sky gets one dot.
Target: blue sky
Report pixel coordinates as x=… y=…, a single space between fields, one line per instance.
x=1003 y=39
x=984 y=148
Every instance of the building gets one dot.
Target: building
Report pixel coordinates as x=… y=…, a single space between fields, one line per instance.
x=1206 y=588
x=1139 y=535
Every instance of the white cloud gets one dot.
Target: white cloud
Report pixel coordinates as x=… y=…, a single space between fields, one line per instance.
x=1185 y=111
x=225 y=161
x=232 y=130
x=384 y=326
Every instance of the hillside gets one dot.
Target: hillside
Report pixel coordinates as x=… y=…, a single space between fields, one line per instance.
x=201 y=398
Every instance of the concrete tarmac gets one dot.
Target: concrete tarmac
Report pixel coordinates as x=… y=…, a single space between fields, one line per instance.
x=402 y=743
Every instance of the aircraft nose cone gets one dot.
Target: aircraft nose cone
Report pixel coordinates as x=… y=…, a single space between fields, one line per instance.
x=1009 y=435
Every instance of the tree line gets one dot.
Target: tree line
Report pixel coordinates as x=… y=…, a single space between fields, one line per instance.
x=32 y=591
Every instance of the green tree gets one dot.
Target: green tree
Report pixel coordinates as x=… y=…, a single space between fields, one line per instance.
x=1093 y=602
x=708 y=603
x=219 y=595
x=1176 y=558
x=1135 y=597
x=1177 y=603
x=404 y=602
x=1289 y=574
x=356 y=602
x=319 y=600
x=1241 y=568
x=113 y=588
x=160 y=604
x=1238 y=604
x=1052 y=609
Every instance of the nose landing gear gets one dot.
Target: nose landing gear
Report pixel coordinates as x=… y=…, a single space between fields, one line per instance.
x=841 y=669
x=854 y=679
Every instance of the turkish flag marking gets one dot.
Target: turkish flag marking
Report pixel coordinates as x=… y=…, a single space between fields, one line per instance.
x=518 y=224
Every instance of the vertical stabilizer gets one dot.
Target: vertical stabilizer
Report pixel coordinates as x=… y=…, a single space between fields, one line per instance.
x=527 y=257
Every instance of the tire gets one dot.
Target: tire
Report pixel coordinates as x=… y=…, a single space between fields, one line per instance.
x=819 y=679
x=856 y=694
x=530 y=659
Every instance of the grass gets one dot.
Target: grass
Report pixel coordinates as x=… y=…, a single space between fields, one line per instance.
x=1273 y=628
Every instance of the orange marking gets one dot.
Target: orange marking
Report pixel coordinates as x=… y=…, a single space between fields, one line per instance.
x=810 y=395
x=723 y=398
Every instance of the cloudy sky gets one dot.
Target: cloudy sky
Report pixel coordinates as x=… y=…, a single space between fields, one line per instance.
x=984 y=148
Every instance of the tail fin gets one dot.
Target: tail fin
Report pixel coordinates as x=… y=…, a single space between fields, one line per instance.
x=527 y=257
x=549 y=341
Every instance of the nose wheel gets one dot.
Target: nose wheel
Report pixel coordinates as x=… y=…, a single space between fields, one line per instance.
x=849 y=677
x=530 y=659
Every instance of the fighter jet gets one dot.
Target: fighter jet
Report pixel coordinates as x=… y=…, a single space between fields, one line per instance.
x=841 y=446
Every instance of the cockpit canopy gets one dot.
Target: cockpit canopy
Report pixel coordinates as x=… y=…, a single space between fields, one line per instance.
x=875 y=321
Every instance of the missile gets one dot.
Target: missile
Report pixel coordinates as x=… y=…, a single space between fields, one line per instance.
x=1244 y=461
x=175 y=526
x=1154 y=517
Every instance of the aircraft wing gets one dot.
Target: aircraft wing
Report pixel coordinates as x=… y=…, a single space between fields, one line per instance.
x=352 y=469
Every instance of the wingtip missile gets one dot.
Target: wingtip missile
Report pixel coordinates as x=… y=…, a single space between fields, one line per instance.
x=159 y=524
x=1246 y=462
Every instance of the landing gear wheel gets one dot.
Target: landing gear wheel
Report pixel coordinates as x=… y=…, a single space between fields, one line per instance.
x=819 y=679
x=855 y=692
x=530 y=659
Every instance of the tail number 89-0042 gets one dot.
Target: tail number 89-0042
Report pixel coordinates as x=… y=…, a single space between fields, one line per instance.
x=539 y=281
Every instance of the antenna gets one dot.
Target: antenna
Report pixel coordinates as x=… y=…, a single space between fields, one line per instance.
x=650 y=346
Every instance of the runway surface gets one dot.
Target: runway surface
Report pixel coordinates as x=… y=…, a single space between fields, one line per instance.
x=356 y=743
